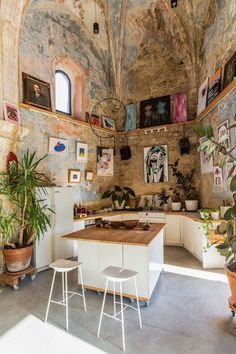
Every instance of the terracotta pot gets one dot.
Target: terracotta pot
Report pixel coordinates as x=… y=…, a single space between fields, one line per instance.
x=232 y=283
x=18 y=259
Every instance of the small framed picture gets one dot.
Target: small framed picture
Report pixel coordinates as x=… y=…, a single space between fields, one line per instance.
x=223 y=134
x=74 y=176
x=88 y=175
x=81 y=152
x=229 y=70
x=36 y=92
x=95 y=120
x=11 y=112
x=108 y=123
x=58 y=146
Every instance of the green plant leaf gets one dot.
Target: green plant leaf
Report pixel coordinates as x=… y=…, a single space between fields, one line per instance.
x=233 y=211
x=209 y=131
x=106 y=194
x=222 y=246
x=230 y=229
x=228 y=214
x=233 y=184
x=233 y=245
x=222 y=228
x=199 y=130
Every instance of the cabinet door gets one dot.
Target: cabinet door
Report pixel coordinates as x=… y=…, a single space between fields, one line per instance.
x=198 y=240
x=78 y=225
x=130 y=216
x=187 y=233
x=172 y=233
x=88 y=255
x=109 y=255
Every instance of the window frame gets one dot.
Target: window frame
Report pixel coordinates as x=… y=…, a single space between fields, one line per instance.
x=69 y=92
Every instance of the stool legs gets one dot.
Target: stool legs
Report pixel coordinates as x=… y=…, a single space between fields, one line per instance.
x=103 y=303
x=136 y=292
x=50 y=295
x=122 y=317
x=114 y=297
x=82 y=286
x=66 y=300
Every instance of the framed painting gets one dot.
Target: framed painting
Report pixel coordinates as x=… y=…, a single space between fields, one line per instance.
x=205 y=160
x=218 y=176
x=88 y=175
x=11 y=112
x=180 y=107
x=36 y=92
x=229 y=71
x=58 y=146
x=108 y=123
x=104 y=161
x=202 y=96
x=81 y=152
x=214 y=86
x=155 y=111
x=74 y=176
x=156 y=164
x=223 y=134
x=130 y=118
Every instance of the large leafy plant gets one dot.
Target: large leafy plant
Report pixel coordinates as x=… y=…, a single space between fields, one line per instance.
x=29 y=215
x=119 y=193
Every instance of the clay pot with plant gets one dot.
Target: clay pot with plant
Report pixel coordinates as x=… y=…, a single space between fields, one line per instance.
x=24 y=215
x=163 y=196
x=119 y=195
x=175 y=195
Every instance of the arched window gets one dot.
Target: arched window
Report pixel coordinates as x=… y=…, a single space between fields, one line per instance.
x=62 y=92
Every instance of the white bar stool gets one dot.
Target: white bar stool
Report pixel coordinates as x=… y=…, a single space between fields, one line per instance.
x=119 y=275
x=64 y=266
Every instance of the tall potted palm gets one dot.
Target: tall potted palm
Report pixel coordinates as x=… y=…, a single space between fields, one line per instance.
x=29 y=215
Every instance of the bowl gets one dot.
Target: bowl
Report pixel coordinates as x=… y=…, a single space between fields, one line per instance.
x=130 y=224
x=116 y=224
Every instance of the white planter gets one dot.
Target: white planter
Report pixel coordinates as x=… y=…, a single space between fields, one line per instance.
x=223 y=209
x=119 y=206
x=191 y=205
x=176 y=206
x=165 y=207
x=215 y=215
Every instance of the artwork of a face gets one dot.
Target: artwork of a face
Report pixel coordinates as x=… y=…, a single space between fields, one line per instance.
x=155 y=164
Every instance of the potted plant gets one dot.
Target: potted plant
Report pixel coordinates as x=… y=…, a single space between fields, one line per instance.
x=175 y=199
x=205 y=213
x=185 y=183
x=215 y=213
x=119 y=195
x=163 y=196
x=224 y=207
x=28 y=217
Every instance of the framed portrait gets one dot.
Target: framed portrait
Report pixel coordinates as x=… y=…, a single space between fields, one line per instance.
x=229 y=71
x=36 y=92
x=58 y=146
x=81 y=152
x=214 y=86
x=104 y=161
x=180 y=107
x=155 y=111
x=74 y=176
x=88 y=175
x=130 y=117
x=205 y=160
x=11 y=112
x=223 y=134
x=202 y=96
x=156 y=164
x=108 y=123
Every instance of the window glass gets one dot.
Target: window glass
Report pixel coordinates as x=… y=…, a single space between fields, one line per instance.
x=63 y=92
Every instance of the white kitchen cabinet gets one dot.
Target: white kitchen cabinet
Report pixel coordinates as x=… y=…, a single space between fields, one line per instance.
x=197 y=240
x=151 y=216
x=88 y=255
x=172 y=231
x=187 y=233
x=78 y=225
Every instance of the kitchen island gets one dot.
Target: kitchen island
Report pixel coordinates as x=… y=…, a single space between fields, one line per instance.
x=136 y=249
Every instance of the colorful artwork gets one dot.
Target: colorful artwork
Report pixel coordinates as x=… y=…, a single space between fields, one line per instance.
x=74 y=176
x=11 y=158
x=214 y=86
x=11 y=112
x=130 y=121
x=104 y=161
x=156 y=164
x=205 y=160
x=223 y=134
x=81 y=152
x=229 y=71
x=202 y=97
x=180 y=108
x=95 y=120
x=218 y=176
x=155 y=111
x=108 y=123
x=58 y=146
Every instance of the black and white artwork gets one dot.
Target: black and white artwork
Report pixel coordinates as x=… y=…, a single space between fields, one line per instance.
x=155 y=111
x=156 y=164
x=229 y=71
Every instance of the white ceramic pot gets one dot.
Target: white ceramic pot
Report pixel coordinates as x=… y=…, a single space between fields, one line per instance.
x=119 y=206
x=176 y=206
x=191 y=205
x=215 y=215
x=223 y=209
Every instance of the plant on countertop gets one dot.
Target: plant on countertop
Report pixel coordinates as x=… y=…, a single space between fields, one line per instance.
x=206 y=224
x=119 y=194
x=163 y=196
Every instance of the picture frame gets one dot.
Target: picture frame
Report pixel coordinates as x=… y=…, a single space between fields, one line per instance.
x=156 y=164
x=95 y=120
x=229 y=71
x=180 y=107
x=104 y=161
x=74 y=175
x=36 y=92
x=206 y=162
x=155 y=111
x=88 y=175
x=223 y=134
x=130 y=117
x=81 y=152
x=202 y=96
x=11 y=112
x=58 y=146
x=214 y=86
x=108 y=123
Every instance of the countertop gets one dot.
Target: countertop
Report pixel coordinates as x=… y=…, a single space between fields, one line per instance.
x=135 y=237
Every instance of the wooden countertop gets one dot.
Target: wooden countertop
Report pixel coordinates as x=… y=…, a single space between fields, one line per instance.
x=137 y=237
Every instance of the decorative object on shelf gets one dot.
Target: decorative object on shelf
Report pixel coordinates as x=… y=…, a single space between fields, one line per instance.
x=108 y=123
x=130 y=117
x=88 y=175
x=202 y=96
x=11 y=112
x=223 y=134
x=180 y=107
x=215 y=213
x=104 y=161
x=74 y=175
x=58 y=146
x=81 y=152
x=206 y=161
x=155 y=111
x=163 y=196
x=229 y=71
x=218 y=176
x=95 y=120
x=156 y=164
x=205 y=212
x=119 y=195
x=29 y=216
x=214 y=86
x=36 y=92
x=175 y=195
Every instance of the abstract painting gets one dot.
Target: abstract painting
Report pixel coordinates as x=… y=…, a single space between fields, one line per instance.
x=74 y=176
x=130 y=121
x=95 y=120
x=81 y=152
x=223 y=134
x=180 y=107
x=218 y=176
x=156 y=164
x=155 y=111
x=214 y=86
x=11 y=112
x=229 y=70
x=108 y=123
x=205 y=160
x=104 y=161
x=202 y=96
x=58 y=146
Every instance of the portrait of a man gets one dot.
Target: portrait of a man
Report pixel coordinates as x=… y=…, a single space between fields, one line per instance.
x=36 y=92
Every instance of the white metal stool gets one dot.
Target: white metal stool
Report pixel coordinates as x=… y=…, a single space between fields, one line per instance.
x=63 y=266
x=119 y=275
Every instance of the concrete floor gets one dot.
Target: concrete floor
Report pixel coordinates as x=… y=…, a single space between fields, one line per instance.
x=186 y=314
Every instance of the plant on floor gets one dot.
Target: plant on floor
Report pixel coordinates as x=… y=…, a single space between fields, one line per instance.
x=120 y=195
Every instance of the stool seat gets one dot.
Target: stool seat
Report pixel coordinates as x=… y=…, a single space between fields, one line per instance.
x=64 y=265
x=118 y=274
